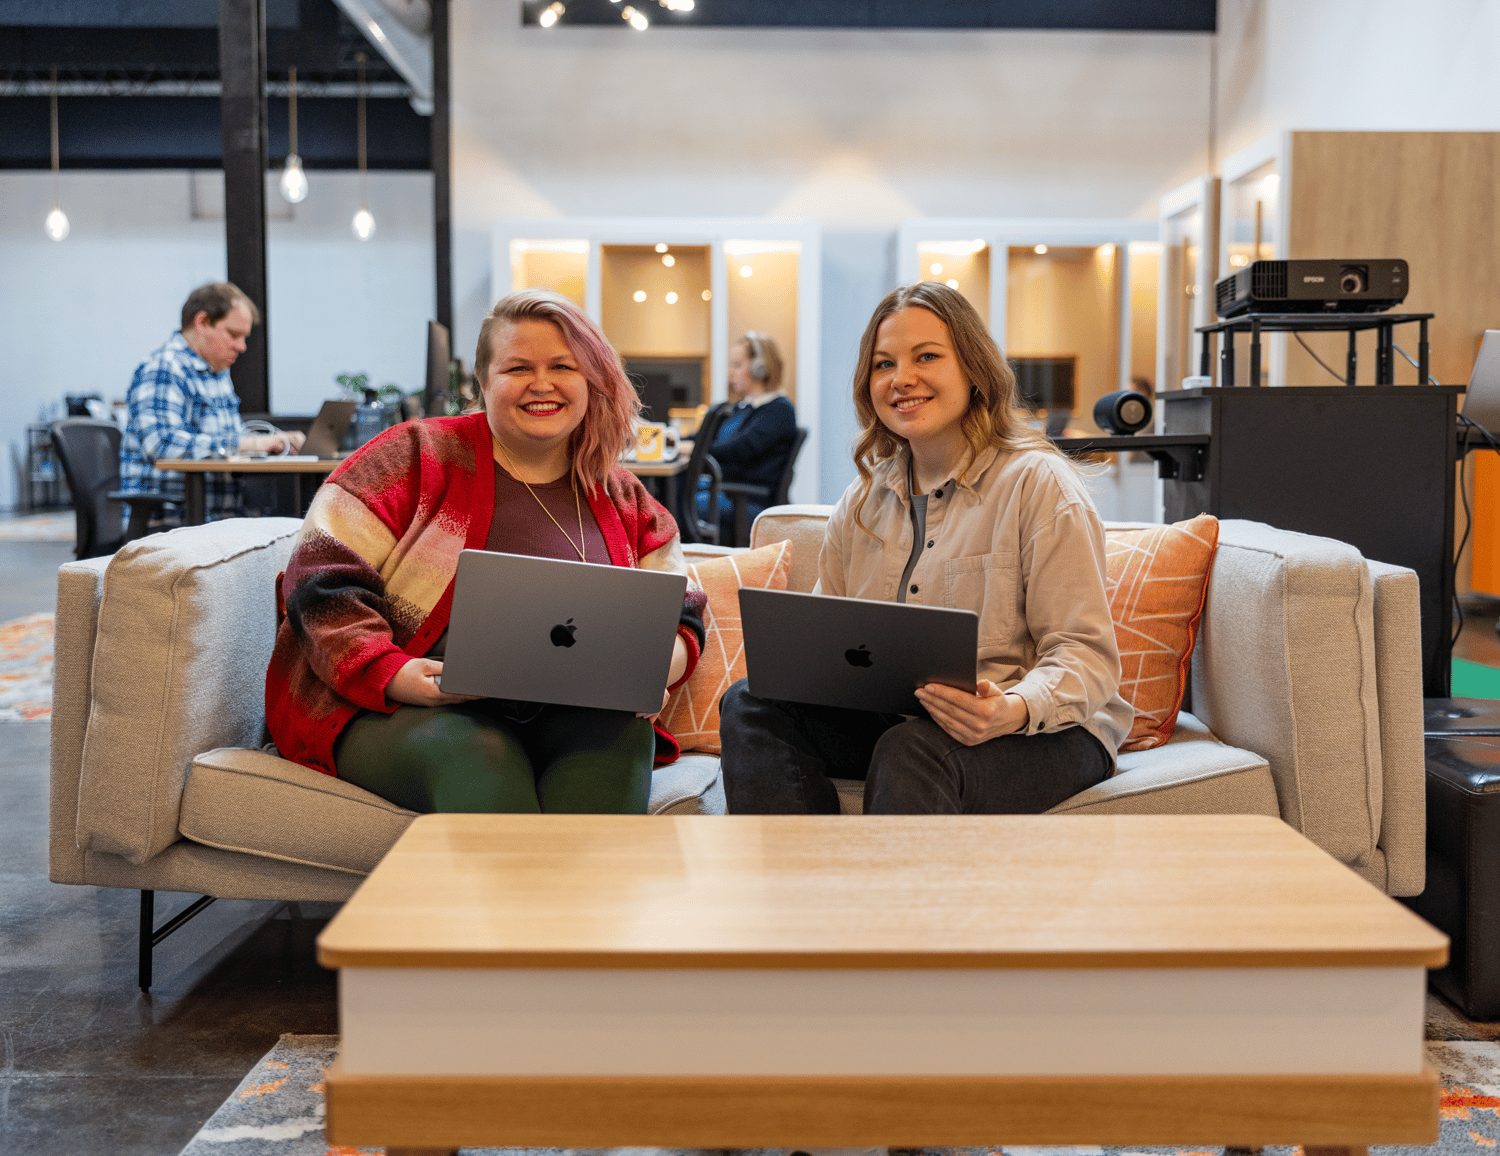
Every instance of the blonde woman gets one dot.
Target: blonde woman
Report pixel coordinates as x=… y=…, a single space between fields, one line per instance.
x=960 y=504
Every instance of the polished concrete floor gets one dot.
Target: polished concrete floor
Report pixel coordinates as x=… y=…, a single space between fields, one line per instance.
x=92 y=1066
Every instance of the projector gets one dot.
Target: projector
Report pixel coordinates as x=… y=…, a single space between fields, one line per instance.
x=1362 y=286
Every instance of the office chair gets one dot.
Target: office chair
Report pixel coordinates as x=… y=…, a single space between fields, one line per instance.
x=700 y=462
x=90 y=454
x=743 y=493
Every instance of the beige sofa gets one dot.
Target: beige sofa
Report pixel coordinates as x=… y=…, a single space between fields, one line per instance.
x=1306 y=700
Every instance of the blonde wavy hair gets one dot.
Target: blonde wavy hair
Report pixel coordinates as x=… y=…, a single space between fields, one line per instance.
x=991 y=419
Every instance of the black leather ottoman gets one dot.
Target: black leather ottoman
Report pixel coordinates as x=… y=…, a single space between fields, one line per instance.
x=1462 y=897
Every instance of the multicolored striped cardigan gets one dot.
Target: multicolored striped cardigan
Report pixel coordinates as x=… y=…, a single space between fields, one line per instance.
x=370 y=582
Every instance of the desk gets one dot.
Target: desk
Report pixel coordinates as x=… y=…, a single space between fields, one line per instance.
x=668 y=472
x=193 y=469
x=758 y=981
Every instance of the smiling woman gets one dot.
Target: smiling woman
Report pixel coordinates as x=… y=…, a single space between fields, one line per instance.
x=958 y=504
x=353 y=687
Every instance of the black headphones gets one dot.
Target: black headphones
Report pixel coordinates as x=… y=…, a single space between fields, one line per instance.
x=757 y=367
x=1122 y=412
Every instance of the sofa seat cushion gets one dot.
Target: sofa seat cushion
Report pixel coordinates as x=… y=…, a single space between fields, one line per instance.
x=261 y=804
x=257 y=803
x=1193 y=773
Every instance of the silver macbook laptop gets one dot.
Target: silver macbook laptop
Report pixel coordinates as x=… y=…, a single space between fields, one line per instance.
x=328 y=429
x=852 y=652
x=570 y=633
x=1482 y=399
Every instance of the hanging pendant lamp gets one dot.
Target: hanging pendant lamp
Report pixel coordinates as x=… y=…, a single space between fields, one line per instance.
x=56 y=225
x=293 y=179
x=364 y=221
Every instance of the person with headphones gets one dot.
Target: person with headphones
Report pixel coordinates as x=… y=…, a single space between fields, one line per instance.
x=755 y=437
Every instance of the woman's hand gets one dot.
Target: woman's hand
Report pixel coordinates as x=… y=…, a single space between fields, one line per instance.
x=674 y=674
x=974 y=718
x=416 y=684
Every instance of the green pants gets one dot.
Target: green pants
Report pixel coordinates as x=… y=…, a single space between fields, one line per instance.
x=477 y=757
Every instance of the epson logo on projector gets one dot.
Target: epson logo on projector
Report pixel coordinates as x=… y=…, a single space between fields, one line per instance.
x=1312 y=280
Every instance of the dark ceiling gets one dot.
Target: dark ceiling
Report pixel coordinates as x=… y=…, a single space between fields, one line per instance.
x=137 y=86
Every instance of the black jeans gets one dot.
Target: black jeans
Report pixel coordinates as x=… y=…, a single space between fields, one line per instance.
x=778 y=759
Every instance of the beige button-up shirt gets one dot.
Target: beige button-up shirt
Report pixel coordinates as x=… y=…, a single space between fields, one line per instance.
x=1017 y=541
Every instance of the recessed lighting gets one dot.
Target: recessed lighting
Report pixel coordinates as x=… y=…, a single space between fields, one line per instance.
x=661 y=246
x=1040 y=250
x=745 y=270
x=668 y=260
x=935 y=269
x=639 y=294
x=708 y=295
x=671 y=299
x=952 y=282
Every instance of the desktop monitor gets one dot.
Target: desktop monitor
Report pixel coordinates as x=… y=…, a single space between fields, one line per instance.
x=1044 y=382
x=439 y=371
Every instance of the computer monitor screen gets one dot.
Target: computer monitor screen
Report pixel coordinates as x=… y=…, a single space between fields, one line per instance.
x=664 y=382
x=439 y=363
x=1044 y=382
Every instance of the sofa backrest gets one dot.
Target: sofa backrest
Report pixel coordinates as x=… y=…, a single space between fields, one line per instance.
x=803 y=527
x=185 y=625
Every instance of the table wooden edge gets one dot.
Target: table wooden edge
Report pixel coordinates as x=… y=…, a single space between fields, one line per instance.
x=916 y=1111
x=333 y=956
x=270 y=465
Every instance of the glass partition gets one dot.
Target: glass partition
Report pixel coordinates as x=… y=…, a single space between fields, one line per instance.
x=561 y=266
x=762 y=296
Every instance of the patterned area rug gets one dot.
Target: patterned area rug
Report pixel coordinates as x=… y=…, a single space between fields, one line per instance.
x=26 y=668
x=40 y=528
x=278 y=1111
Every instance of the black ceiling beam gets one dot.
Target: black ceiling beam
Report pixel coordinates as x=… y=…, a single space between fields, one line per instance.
x=442 y=174
x=185 y=132
x=1017 y=15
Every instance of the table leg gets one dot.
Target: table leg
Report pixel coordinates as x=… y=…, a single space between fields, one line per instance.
x=1226 y=358
x=194 y=488
x=1353 y=361
x=1254 y=353
x=669 y=494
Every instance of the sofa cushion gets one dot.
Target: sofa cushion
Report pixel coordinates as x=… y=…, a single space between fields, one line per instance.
x=802 y=526
x=692 y=713
x=1157 y=580
x=186 y=624
x=261 y=804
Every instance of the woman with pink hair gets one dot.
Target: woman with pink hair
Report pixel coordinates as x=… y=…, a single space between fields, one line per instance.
x=352 y=688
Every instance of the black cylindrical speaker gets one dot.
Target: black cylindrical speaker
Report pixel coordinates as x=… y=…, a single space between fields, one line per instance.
x=1123 y=412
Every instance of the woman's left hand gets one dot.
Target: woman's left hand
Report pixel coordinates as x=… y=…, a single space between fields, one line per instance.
x=674 y=674
x=974 y=718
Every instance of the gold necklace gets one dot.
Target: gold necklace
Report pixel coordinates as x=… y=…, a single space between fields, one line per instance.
x=577 y=505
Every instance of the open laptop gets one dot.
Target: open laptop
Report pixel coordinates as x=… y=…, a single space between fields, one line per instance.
x=328 y=429
x=852 y=652
x=1482 y=398
x=570 y=633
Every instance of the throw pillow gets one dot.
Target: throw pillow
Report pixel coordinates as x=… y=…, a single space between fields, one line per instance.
x=692 y=713
x=1157 y=579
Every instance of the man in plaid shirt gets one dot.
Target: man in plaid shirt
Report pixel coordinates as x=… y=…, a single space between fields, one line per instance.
x=181 y=403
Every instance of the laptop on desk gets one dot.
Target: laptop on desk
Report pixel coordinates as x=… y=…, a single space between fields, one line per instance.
x=852 y=652
x=1482 y=398
x=328 y=429
x=570 y=633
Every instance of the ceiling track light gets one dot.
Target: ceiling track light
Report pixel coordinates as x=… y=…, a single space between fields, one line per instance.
x=635 y=18
x=551 y=14
x=293 y=179
x=364 y=221
x=56 y=224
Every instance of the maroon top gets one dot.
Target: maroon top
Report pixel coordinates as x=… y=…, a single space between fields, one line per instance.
x=520 y=526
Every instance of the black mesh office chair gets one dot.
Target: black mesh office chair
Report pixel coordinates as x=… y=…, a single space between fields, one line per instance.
x=693 y=527
x=743 y=493
x=90 y=454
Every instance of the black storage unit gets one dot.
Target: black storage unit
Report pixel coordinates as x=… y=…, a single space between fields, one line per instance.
x=1370 y=465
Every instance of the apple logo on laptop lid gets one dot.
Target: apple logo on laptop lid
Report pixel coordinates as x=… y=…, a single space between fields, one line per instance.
x=860 y=656
x=562 y=634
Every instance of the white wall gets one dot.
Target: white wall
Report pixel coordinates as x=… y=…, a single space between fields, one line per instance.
x=80 y=315
x=1356 y=64
x=856 y=129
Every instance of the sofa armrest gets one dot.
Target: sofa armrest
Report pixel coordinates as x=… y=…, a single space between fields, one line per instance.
x=1285 y=667
x=79 y=588
x=1398 y=664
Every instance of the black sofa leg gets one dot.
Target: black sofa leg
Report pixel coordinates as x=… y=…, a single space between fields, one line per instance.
x=150 y=936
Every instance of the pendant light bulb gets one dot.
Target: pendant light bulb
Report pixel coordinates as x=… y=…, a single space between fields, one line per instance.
x=293 y=180
x=363 y=224
x=57 y=224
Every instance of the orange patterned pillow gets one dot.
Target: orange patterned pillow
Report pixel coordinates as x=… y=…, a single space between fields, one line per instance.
x=1157 y=580
x=692 y=713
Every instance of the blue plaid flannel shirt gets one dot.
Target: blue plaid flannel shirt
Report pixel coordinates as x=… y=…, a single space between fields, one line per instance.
x=178 y=407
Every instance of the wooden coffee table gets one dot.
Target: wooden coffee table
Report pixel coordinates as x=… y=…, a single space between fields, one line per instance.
x=595 y=981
